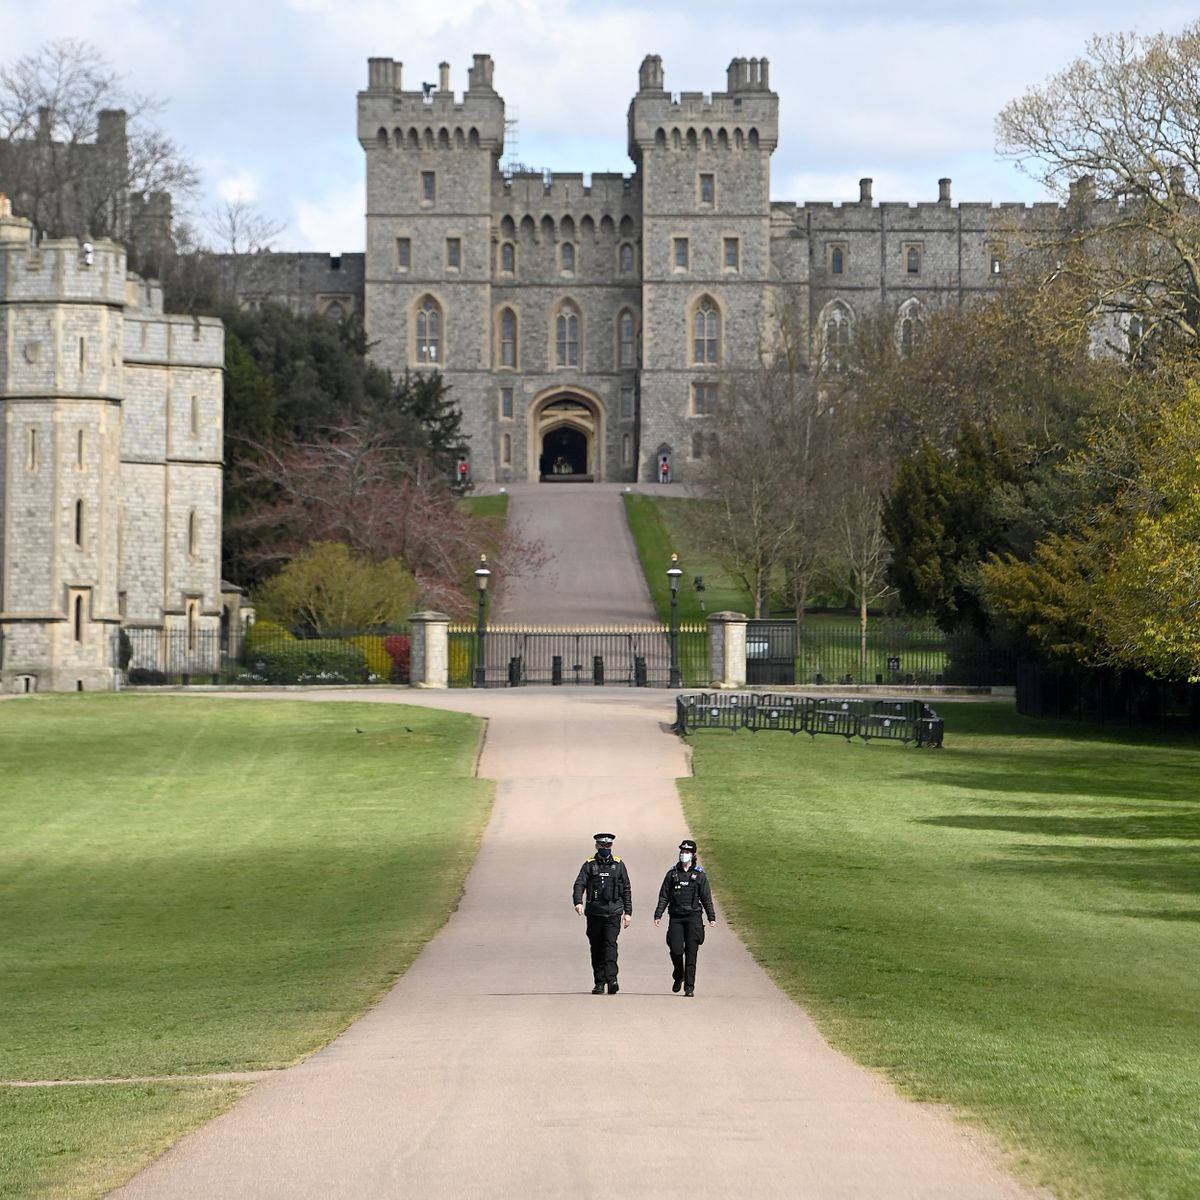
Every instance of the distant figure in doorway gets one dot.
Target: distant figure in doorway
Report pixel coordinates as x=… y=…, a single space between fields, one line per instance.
x=602 y=894
x=664 y=470
x=464 y=472
x=561 y=466
x=685 y=892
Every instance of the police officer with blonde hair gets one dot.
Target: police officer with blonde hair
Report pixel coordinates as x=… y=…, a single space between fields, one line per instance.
x=602 y=894
x=686 y=893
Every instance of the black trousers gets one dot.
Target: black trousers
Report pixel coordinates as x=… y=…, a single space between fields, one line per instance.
x=602 y=934
x=685 y=936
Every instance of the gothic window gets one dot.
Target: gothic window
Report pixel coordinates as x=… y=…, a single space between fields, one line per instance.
x=508 y=338
x=732 y=254
x=681 y=253
x=508 y=258
x=381 y=138
x=454 y=253
x=568 y=256
x=706 y=332
x=836 y=331
x=910 y=327
x=704 y=399
x=429 y=331
x=625 y=342
x=566 y=335
x=912 y=260
x=626 y=259
x=837 y=260
x=335 y=311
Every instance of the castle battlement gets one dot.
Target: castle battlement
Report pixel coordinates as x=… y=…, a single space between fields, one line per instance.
x=533 y=190
x=66 y=270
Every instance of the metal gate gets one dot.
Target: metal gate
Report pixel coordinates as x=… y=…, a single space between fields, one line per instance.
x=558 y=656
x=770 y=652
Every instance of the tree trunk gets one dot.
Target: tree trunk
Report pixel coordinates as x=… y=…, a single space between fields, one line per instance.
x=862 y=632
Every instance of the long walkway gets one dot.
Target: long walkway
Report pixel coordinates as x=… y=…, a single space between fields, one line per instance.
x=491 y=1070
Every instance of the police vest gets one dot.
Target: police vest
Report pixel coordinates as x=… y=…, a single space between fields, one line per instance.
x=602 y=883
x=685 y=889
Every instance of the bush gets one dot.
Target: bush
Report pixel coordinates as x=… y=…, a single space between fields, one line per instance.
x=316 y=660
x=399 y=649
x=141 y=676
x=266 y=634
x=460 y=659
x=379 y=661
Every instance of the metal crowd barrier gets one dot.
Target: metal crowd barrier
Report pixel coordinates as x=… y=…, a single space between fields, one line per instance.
x=868 y=718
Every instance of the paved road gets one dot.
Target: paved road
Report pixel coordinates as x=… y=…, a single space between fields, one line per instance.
x=591 y=574
x=490 y=1069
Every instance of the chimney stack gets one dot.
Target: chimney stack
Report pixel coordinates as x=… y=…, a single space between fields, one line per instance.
x=943 y=191
x=864 y=190
x=443 y=77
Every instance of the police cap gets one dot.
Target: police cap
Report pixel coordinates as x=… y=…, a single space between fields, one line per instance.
x=688 y=844
x=605 y=839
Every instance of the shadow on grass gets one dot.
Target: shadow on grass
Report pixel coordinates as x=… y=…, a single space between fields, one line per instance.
x=1183 y=825
x=1151 y=914
x=1173 y=870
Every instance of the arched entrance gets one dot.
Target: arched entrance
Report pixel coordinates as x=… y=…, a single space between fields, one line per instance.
x=567 y=439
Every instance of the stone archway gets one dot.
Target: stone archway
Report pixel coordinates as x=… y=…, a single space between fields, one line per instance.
x=567 y=440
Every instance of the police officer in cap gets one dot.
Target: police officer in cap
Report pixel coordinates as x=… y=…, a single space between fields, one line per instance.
x=685 y=892
x=602 y=894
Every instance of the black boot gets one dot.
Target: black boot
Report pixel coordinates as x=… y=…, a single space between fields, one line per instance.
x=598 y=990
x=689 y=991
x=613 y=988
x=676 y=984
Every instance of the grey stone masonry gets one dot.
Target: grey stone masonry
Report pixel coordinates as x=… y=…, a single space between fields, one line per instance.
x=588 y=326
x=110 y=463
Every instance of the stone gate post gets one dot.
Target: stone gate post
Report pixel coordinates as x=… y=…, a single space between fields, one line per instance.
x=727 y=649
x=429 y=663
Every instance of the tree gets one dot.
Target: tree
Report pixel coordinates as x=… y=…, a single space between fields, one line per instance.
x=327 y=589
x=239 y=228
x=1118 y=134
x=81 y=153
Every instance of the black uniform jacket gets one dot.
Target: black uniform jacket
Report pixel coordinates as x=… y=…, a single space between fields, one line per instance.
x=685 y=893
x=602 y=885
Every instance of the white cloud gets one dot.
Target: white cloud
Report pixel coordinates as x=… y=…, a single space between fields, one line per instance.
x=333 y=222
x=239 y=186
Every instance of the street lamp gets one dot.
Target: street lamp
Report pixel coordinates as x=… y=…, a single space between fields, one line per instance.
x=674 y=574
x=482 y=575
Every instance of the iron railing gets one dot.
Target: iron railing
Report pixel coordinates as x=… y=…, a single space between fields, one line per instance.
x=868 y=718
x=562 y=655
x=272 y=656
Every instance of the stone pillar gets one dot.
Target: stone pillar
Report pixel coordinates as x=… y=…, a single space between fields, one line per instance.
x=429 y=664
x=727 y=649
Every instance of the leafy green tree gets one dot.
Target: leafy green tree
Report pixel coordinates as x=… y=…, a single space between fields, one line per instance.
x=327 y=589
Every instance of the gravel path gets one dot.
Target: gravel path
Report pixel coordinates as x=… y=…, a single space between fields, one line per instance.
x=490 y=1069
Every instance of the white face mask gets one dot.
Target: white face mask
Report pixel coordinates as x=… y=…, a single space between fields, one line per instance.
x=685 y=857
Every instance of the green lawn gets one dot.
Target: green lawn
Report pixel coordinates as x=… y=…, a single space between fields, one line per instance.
x=486 y=506
x=195 y=884
x=1008 y=926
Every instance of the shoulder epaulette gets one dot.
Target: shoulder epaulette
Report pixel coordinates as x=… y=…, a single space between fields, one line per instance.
x=615 y=858
x=592 y=859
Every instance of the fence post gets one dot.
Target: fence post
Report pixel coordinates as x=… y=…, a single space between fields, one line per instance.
x=727 y=649
x=429 y=664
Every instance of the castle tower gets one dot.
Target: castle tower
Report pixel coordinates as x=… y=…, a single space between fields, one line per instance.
x=704 y=164
x=431 y=160
x=61 y=383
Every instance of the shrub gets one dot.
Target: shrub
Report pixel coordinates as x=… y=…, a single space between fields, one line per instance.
x=265 y=634
x=399 y=649
x=141 y=676
x=379 y=661
x=316 y=660
x=460 y=659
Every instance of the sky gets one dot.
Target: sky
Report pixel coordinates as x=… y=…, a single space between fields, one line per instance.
x=260 y=94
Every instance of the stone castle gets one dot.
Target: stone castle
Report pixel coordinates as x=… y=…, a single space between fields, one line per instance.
x=110 y=464
x=587 y=327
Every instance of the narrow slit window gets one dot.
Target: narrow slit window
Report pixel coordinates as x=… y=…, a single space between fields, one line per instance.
x=508 y=338
x=82 y=355
x=403 y=254
x=79 y=524
x=625 y=350
x=506 y=403
x=732 y=254
x=77 y=618
x=681 y=253
x=837 y=260
x=508 y=258
x=453 y=253
x=506 y=449
x=707 y=189
x=33 y=449
x=194 y=416
x=568 y=256
x=79 y=449
x=191 y=535
x=428 y=187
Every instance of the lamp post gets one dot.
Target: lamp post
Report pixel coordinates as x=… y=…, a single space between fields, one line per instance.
x=482 y=575
x=674 y=574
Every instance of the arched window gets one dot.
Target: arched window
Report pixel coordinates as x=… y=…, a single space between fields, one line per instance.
x=508 y=338
x=625 y=339
x=335 y=311
x=568 y=256
x=626 y=259
x=836 y=330
x=429 y=331
x=508 y=258
x=191 y=625
x=381 y=138
x=912 y=261
x=77 y=618
x=706 y=332
x=910 y=327
x=837 y=260
x=566 y=335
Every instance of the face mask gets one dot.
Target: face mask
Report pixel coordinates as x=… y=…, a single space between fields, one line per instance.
x=603 y=851
x=685 y=857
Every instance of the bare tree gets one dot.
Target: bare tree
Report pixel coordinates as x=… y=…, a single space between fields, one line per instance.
x=1117 y=133
x=80 y=151
x=239 y=228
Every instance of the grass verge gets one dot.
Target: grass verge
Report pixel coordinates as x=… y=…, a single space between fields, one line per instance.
x=1007 y=926
x=195 y=884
